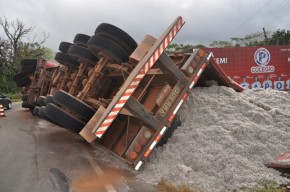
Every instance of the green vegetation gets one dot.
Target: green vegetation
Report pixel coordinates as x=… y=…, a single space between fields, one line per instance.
x=166 y=186
x=181 y=47
x=14 y=47
x=265 y=186
x=279 y=37
x=14 y=96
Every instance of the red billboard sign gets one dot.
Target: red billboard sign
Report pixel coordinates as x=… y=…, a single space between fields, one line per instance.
x=256 y=67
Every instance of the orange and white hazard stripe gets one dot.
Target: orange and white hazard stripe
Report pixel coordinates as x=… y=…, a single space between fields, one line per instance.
x=2 y=114
x=134 y=84
x=156 y=140
x=153 y=144
x=171 y=117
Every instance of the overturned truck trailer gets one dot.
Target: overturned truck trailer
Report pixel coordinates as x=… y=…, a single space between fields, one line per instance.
x=135 y=101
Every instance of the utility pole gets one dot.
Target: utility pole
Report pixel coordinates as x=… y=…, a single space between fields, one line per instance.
x=265 y=35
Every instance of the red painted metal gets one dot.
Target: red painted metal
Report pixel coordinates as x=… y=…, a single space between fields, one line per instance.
x=241 y=62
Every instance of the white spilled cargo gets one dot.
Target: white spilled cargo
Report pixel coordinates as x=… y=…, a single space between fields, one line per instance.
x=225 y=139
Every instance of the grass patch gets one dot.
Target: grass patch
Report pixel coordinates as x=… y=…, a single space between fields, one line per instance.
x=265 y=186
x=15 y=97
x=166 y=186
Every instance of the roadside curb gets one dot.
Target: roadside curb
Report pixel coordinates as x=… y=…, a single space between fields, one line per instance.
x=2 y=114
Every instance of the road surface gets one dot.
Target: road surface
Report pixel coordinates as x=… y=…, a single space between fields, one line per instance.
x=39 y=156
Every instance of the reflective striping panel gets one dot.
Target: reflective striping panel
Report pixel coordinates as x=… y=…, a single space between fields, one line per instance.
x=138 y=165
x=197 y=76
x=134 y=84
x=156 y=140
x=170 y=119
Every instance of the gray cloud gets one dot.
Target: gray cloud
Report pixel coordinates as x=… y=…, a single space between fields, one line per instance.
x=206 y=20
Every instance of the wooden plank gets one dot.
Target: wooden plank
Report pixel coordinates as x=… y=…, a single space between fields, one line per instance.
x=140 y=112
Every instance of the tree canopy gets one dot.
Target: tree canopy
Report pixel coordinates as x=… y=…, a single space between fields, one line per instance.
x=15 y=45
x=279 y=37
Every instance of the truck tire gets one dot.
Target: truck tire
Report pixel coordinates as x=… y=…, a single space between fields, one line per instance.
x=82 y=54
x=118 y=35
x=175 y=123
x=28 y=69
x=49 y=99
x=81 y=40
x=28 y=62
x=19 y=76
x=41 y=112
x=110 y=48
x=41 y=101
x=26 y=105
x=62 y=118
x=82 y=109
x=64 y=46
x=24 y=97
x=36 y=111
x=65 y=59
x=23 y=82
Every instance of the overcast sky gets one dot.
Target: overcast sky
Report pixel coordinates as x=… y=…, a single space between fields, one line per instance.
x=206 y=20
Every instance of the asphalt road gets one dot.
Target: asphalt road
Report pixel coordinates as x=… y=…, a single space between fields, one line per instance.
x=36 y=155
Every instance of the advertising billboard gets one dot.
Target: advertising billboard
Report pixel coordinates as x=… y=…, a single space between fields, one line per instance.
x=265 y=67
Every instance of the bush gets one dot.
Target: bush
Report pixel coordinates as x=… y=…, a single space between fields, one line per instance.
x=14 y=96
x=265 y=186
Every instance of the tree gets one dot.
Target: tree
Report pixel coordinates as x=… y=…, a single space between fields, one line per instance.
x=217 y=44
x=182 y=48
x=280 y=37
x=15 y=45
x=254 y=39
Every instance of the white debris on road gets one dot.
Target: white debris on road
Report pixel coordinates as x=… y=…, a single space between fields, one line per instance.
x=225 y=139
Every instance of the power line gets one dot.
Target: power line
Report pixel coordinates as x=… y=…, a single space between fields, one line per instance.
x=265 y=18
x=248 y=19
